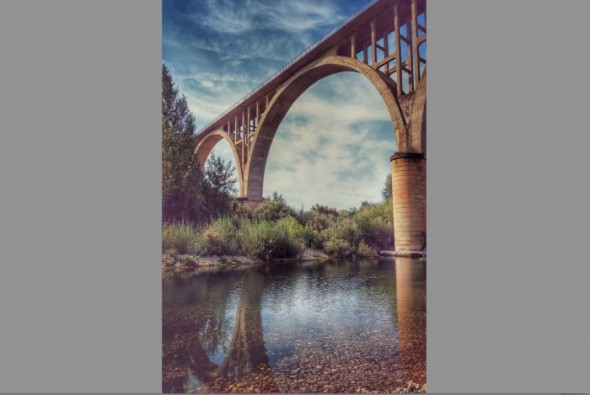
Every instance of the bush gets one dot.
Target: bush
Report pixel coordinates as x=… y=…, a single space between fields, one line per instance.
x=319 y=217
x=338 y=247
x=240 y=210
x=365 y=250
x=219 y=238
x=376 y=223
x=267 y=240
x=179 y=238
x=311 y=237
x=273 y=210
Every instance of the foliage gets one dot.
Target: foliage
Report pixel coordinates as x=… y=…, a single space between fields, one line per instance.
x=387 y=190
x=220 y=175
x=276 y=230
x=219 y=238
x=361 y=231
x=338 y=248
x=274 y=209
x=342 y=238
x=376 y=223
x=179 y=238
x=270 y=240
x=311 y=237
x=366 y=250
x=188 y=193
x=239 y=210
x=320 y=217
x=230 y=236
x=181 y=176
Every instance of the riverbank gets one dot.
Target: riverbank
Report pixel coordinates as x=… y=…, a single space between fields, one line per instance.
x=188 y=262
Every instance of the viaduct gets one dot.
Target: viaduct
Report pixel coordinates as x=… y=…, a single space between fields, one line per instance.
x=385 y=41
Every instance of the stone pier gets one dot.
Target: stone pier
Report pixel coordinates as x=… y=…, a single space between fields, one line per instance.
x=409 y=201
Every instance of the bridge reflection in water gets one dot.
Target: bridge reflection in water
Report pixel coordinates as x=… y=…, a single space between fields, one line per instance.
x=284 y=328
x=410 y=285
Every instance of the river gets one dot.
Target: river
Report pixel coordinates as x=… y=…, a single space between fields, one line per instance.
x=345 y=326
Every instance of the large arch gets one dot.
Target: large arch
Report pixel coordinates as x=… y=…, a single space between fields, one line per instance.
x=288 y=94
x=205 y=146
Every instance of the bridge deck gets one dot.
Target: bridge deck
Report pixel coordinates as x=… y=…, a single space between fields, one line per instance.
x=379 y=13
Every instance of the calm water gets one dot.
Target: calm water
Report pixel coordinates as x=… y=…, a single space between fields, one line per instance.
x=348 y=326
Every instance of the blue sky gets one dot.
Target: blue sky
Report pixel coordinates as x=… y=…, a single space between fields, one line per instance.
x=333 y=147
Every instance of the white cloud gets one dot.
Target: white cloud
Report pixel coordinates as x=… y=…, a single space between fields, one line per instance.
x=285 y=15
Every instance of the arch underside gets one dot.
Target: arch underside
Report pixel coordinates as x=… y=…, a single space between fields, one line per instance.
x=206 y=145
x=286 y=96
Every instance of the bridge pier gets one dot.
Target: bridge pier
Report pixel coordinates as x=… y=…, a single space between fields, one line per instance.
x=408 y=171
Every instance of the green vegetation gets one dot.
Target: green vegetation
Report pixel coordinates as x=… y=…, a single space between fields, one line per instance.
x=268 y=240
x=179 y=238
x=263 y=240
x=188 y=193
x=387 y=191
x=272 y=231
x=201 y=217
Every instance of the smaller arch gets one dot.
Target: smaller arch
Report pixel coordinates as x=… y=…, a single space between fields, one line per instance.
x=205 y=146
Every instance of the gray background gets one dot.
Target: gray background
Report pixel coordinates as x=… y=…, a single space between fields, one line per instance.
x=508 y=193
x=80 y=289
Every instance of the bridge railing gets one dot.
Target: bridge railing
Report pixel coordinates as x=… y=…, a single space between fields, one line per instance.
x=364 y=7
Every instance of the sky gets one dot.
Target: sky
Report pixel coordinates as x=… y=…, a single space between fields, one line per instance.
x=334 y=144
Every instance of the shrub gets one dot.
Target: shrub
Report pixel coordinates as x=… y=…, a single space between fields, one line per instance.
x=240 y=210
x=376 y=223
x=219 y=238
x=311 y=237
x=273 y=210
x=179 y=238
x=267 y=240
x=366 y=250
x=337 y=247
x=319 y=217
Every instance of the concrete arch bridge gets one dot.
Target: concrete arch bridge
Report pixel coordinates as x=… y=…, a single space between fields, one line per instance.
x=385 y=41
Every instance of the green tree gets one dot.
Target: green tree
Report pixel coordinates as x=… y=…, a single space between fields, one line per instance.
x=220 y=175
x=274 y=208
x=188 y=193
x=218 y=187
x=181 y=176
x=387 y=190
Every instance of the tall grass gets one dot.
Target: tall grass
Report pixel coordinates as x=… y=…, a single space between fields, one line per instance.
x=180 y=237
x=270 y=240
x=219 y=238
x=362 y=233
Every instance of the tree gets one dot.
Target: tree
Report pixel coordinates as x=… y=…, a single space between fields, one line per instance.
x=218 y=186
x=188 y=193
x=387 y=190
x=274 y=208
x=220 y=175
x=182 y=180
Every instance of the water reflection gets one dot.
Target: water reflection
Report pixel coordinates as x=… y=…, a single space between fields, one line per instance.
x=312 y=327
x=410 y=283
x=246 y=350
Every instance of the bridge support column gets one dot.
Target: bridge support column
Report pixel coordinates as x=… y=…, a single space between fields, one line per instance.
x=409 y=201
x=251 y=203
